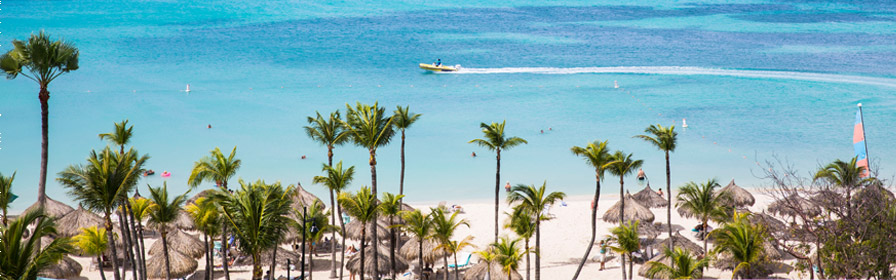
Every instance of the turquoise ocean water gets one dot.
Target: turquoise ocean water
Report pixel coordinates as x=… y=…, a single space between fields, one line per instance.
x=755 y=79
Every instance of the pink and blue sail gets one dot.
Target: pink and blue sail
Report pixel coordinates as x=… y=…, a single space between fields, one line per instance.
x=858 y=142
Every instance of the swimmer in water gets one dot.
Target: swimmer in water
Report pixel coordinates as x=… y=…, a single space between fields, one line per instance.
x=474 y=154
x=209 y=126
x=303 y=157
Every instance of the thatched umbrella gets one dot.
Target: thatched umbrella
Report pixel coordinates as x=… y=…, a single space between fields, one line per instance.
x=66 y=268
x=663 y=227
x=661 y=258
x=790 y=205
x=53 y=208
x=383 y=263
x=71 y=224
x=204 y=193
x=681 y=242
x=739 y=196
x=301 y=198
x=353 y=230
x=181 y=265
x=179 y=241
x=283 y=256
x=634 y=211
x=770 y=223
x=411 y=250
x=479 y=271
x=649 y=198
x=184 y=221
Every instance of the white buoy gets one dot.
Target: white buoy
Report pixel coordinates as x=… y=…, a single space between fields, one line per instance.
x=684 y=123
x=615 y=84
x=188 y=88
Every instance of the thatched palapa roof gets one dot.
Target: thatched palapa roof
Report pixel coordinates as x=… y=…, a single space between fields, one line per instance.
x=739 y=196
x=179 y=241
x=384 y=264
x=680 y=242
x=353 y=230
x=181 y=265
x=66 y=268
x=650 y=198
x=184 y=221
x=302 y=197
x=283 y=256
x=634 y=211
x=53 y=208
x=204 y=193
x=792 y=205
x=411 y=250
x=71 y=224
x=481 y=269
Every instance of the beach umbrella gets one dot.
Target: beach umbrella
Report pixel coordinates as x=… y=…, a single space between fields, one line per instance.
x=53 y=208
x=184 y=221
x=739 y=196
x=284 y=256
x=480 y=271
x=411 y=250
x=204 y=193
x=661 y=258
x=179 y=241
x=353 y=230
x=650 y=198
x=663 y=227
x=770 y=223
x=301 y=198
x=634 y=211
x=66 y=268
x=181 y=265
x=71 y=224
x=681 y=242
x=792 y=205
x=383 y=262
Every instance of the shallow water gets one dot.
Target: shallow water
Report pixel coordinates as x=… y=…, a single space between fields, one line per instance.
x=754 y=80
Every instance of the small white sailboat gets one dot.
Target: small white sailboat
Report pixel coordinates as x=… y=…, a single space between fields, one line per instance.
x=684 y=123
x=188 y=88
x=615 y=84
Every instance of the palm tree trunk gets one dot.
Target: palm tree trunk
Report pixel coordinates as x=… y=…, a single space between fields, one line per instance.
x=669 y=208
x=593 y=225
x=622 y=201
x=256 y=266
x=273 y=262
x=537 y=249
x=456 y=272
x=527 y=260
x=622 y=261
x=142 y=249
x=207 y=259
x=44 y=97
x=211 y=258
x=333 y=221
x=401 y=180
x=126 y=234
x=310 y=263
x=631 y=267
x=376 y=242
x=445 y=259
x=342 y=253
x=136 y=244
x=99 y=264
x=363 y=237
x=109 y=229
x=392 y=244
x=167 y=260
x=705 y=239
x=497 y=190
x=420 y=256
x=225 y=248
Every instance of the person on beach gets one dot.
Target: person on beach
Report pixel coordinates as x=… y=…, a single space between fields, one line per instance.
x=507 y=187
x=603 y=254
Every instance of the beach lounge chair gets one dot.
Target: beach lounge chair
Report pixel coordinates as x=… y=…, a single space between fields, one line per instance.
x=464 y=264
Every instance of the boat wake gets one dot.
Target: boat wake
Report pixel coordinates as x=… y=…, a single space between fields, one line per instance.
x=684 y=70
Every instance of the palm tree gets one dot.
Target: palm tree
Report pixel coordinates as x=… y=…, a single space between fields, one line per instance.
x=454 y=246
x=331 y=133
x=704 y=202
x=508 y=254
x=443 y=227
x=744 y=241
x=102 y=184
x=258 y=214
x=489 y=257
x=627 y=242
x=122 y=136
x=391 y=208
x=665 y=139
x=336 y=180
x=623 y=165
x=21 y=256
x=495 y=140
x=140 y=209
x=93 y=242
x=162 y=214
x=596 y=155
x=6 y=196
x=420 y=226
x=316 y=224
x=846 y=175
x=362 y=206
x=535 y=200
x=45 y=61
x=370 y=128
x=403 y=120
x=205 y=215
x=219 y=169
x=687 y=266
x=522 y=222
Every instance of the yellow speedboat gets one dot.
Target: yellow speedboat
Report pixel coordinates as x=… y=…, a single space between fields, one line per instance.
x=439 y=68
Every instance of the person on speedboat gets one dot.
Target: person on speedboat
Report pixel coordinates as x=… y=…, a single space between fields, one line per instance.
x=438 y=63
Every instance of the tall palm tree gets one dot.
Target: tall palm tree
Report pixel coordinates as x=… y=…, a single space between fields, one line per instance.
x=627 y=242
x=93 y=242
x=704 y=202
x=420 y=226
x=21 y=256
x=140 y=209
x=403 y=120
x=623 y=165
x=596 y=155
x=846 y=175
x=363 y=207
x=686 y=266
x=336 y=180
x=391 y=208
x=329 y=132
x=219 y=169
x=535 y=200
x=258 y=214
x=44 y=61
x=205 y=215
x=508 y=254
x=522 y=222
x=370 y=128
x=6 y=196
x=103 y=183
x=454 y=246
x=162 y=215
x=495 y=140
x=121 y=136
x=744 y=241
x=443 y=228
x=316 y=224
x=665 y=139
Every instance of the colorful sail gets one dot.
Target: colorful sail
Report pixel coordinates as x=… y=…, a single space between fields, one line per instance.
x=858 y=141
